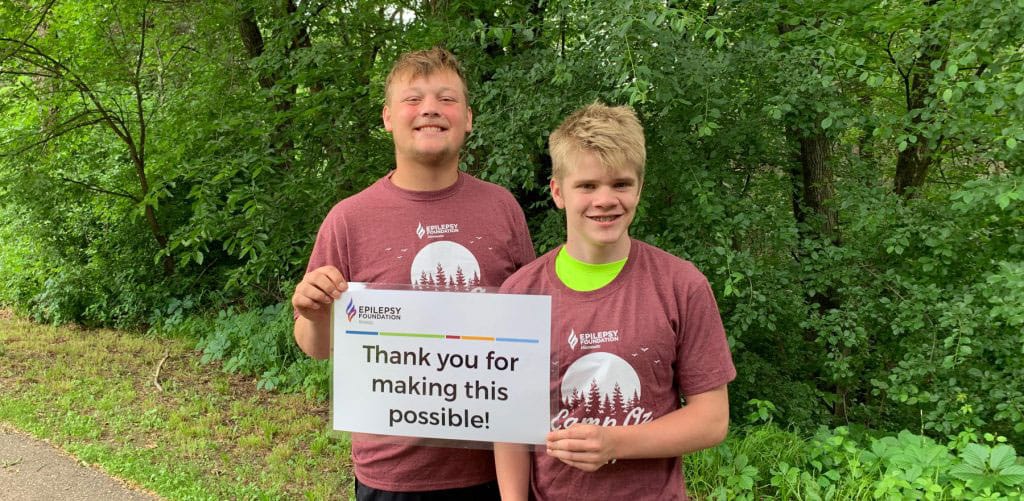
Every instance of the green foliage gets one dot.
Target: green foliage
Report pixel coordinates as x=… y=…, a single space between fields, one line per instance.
x=255 y=342
x=169 y=172
x=985 y=467
x=764 y=462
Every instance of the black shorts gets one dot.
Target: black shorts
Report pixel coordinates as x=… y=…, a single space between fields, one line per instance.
x=482 y=492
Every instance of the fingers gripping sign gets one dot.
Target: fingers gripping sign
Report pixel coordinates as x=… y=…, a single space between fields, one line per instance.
x=584 y=446
x=317 y=290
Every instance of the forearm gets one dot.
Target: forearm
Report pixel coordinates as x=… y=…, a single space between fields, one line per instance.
x=702 y=423
x=512 y=464
x=314 y=336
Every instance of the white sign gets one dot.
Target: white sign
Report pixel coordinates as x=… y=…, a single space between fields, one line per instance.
x=448 y=365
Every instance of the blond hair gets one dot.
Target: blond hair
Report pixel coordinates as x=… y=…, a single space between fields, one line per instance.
x=422 y=63
x=613 y=133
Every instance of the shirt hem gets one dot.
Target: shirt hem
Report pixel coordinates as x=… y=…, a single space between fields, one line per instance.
x=416 y=487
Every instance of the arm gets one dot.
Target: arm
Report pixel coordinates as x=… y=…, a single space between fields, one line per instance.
x=512 y=464
x=312 y=302
x=702 y=423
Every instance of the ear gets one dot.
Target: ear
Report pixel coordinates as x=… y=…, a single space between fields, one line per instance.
x=469 y=119
x=385 y=115
x=556 y=193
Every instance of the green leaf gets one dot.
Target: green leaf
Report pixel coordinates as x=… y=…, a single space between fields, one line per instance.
x=980 y=86
x=947 y=95
x=1012 y=475
x=952 y=69
x=975 y=455
x=1011 y=142
x=826 y=123
x=1019 y=89
x=1003 y=456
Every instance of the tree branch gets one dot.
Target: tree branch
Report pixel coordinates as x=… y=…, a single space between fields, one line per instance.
x=74 y=122
x=137 y=86
x=60 y=70
x=903 y=76
x=93 y=187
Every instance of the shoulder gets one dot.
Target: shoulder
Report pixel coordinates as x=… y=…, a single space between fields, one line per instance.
x=488 y=189
x=662 y=265
x=530 y=276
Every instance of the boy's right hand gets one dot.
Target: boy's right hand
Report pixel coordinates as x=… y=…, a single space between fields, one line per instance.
x=317 y=290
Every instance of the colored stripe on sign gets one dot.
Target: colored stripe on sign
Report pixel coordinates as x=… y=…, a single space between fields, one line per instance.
x=361 y=333
x=445 y=336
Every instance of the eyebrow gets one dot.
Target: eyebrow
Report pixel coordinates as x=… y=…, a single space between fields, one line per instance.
x=419 y=90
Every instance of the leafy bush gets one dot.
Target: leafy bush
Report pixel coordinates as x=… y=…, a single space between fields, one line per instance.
x=256 y=342
x=765 y=462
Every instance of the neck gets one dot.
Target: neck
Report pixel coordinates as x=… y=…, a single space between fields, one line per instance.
x=413 y=176
x=603 y=254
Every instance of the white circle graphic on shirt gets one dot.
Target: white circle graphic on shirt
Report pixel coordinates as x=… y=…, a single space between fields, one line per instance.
x=445 y=265
x=605 y=370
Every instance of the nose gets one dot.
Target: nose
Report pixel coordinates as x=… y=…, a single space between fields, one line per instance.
x=429 y=107
x=604 y=197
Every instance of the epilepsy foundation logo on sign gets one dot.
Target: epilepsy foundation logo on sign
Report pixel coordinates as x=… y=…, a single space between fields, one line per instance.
x=351 y=310
x=380 y=312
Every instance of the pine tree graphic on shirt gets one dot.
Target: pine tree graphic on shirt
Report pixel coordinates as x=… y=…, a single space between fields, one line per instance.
x=444 y=266
x=596 y=384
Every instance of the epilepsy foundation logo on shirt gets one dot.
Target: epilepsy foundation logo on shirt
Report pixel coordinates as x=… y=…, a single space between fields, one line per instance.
x=592 y=340
x=435 y=230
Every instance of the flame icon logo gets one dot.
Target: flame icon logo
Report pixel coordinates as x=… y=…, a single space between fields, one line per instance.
x=420 y=231
x=351 y=310
x=573 y=339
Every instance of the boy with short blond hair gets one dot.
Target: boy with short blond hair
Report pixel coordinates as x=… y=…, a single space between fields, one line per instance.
x=633 y=329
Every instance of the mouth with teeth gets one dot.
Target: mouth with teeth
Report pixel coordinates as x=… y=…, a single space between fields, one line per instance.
x=603 y=219
x=430 y=129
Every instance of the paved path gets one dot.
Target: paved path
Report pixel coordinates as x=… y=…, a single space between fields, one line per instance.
x=34 y=470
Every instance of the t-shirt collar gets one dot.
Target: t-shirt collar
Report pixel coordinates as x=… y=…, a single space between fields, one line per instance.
x=423 y=196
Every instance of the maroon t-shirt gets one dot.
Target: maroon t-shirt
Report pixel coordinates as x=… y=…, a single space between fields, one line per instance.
x=470 y=234
x=625 y=354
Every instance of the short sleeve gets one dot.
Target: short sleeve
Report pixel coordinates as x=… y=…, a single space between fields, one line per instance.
x=706 y=362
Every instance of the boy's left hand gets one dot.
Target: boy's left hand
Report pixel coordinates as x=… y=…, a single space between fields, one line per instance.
x=584 y=446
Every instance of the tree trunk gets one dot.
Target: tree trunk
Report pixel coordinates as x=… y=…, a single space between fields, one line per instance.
x=813 y=189
x=813 y=198
x=912 y=163
x=252 y=39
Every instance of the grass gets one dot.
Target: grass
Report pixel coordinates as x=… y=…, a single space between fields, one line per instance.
x=207 y=435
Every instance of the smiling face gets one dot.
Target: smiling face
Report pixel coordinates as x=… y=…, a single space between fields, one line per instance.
x=428 y=117
x=599 y=206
